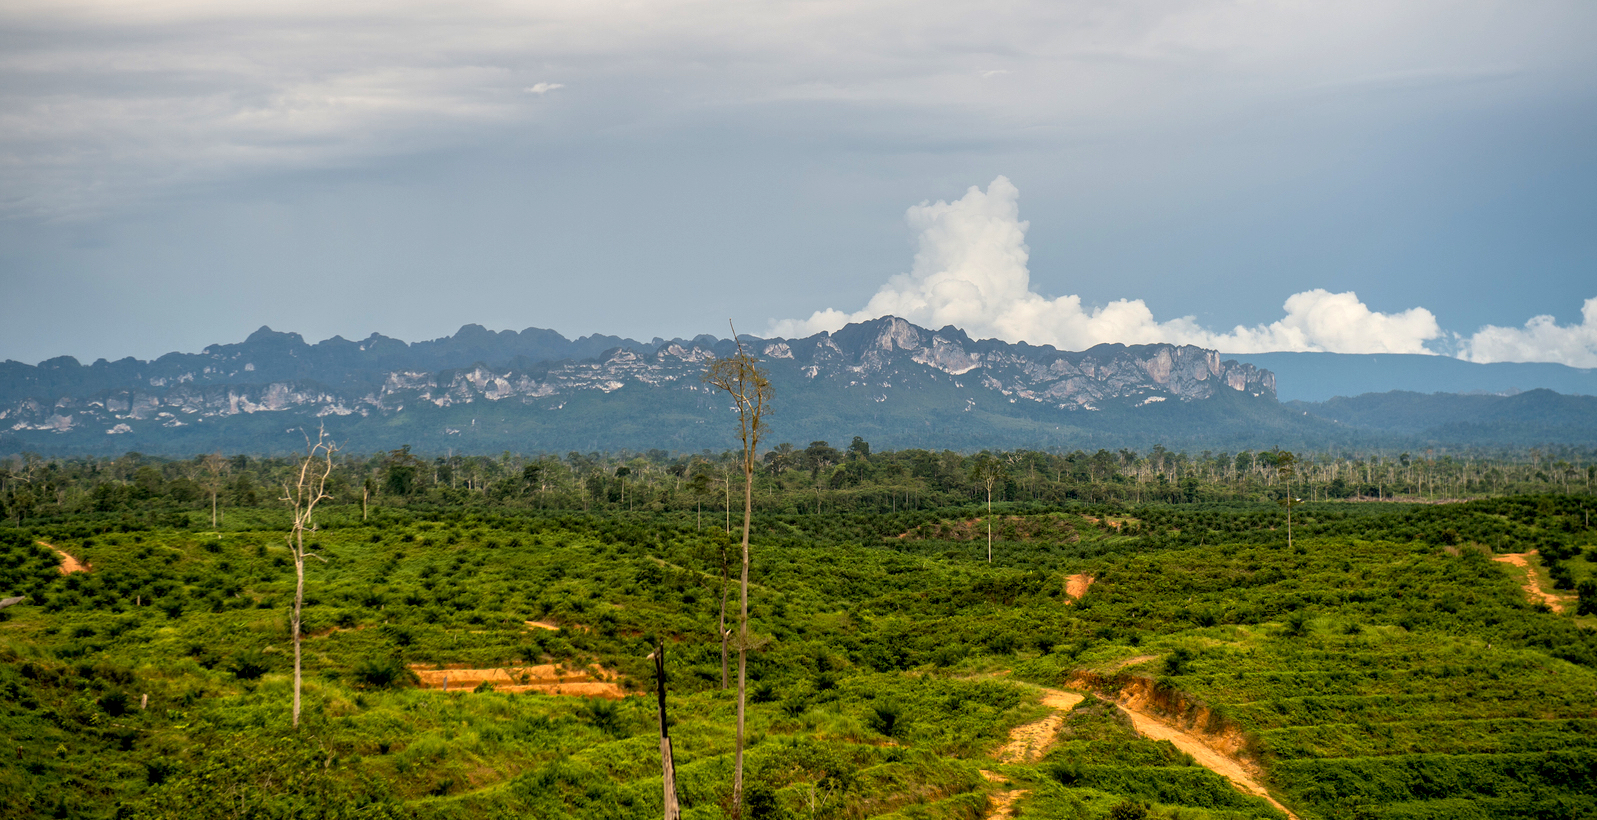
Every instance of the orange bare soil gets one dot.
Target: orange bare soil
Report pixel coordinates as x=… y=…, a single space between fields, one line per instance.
x=1116 y=523
x=69 y=564
x=1532 y=585
x=550 y=679
x=1076 y=585
x=1218 y=752
x=1027 y=744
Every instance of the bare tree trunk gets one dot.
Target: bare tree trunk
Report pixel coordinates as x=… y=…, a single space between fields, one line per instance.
x=308 y=490
x=743 y=639
x=726 y=634
x=365 y=492
x=989 y=524
x=741 y=378
x=213 y=509
x=668 y=772
x=299 y=607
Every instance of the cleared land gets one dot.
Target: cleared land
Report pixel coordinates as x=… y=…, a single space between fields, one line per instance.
x=1382 y=667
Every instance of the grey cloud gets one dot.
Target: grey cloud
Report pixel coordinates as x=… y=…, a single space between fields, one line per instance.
x=706 y=159
x=104 y=103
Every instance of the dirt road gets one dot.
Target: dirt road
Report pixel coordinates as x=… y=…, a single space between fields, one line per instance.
x=1027 y=744
x=1207 y=756
x=69 y=564
x=1532 y=585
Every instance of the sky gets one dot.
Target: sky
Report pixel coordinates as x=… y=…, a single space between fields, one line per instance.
x=1247 y=175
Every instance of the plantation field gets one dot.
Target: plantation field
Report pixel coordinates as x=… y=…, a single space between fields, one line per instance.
x=1383 y=666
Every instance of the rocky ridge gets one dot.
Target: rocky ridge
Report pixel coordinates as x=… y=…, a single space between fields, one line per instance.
x=879 y=356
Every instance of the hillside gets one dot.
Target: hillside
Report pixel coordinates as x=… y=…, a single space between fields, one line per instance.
x=1318 y=377
x=1384 y=666
x=1521 y=420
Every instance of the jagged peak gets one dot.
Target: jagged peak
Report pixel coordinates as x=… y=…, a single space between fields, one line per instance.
x=266 y=335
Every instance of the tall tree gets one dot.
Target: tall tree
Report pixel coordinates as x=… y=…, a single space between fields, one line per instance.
x=216 y=468
x=699 y=486
x=306 y=488
x=819 y=456
x=750 y=388
x=986 y=471
x=532 y=474
x=1285 y=466
x=780 y=458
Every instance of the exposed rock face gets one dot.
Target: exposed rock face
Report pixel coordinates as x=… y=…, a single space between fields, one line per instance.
x=879 y=356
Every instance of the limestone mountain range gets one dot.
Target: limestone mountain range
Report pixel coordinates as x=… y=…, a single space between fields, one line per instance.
x=891 y=381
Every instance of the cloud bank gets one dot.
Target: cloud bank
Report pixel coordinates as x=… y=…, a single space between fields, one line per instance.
x=106 y=102
x=971 y=271
x=1541 y=340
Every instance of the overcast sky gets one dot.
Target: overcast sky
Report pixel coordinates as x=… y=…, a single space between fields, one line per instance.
x=1356 y=176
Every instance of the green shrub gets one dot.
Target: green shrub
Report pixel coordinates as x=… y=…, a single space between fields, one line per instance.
x=382 y=672
x=1128 y=810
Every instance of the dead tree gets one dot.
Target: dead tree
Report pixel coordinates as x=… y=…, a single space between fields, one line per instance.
x=668 y=771
x=750 y=388
x=986 y=472
x=726 y=634
x=215 y=467
x=1285 y=467
x=306 y=489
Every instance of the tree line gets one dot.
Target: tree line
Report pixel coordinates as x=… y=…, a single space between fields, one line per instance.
x=815 y=478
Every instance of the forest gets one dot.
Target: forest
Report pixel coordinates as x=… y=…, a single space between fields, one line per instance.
x=787 y=479
x=935 y=635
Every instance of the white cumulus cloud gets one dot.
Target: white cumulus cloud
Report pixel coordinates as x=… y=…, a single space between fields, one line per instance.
x=542 y=88
x=971 y=271
x=1542 y=339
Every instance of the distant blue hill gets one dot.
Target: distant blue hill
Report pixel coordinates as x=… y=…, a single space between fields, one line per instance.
x=1316 y=377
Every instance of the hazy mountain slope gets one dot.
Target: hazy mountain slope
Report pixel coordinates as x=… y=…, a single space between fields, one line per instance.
x=1321 y=376
x=1525 y=419
x=269 y=356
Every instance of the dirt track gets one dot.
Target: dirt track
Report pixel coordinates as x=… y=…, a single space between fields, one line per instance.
x=1207 y=756
x=69 y=564
x=1533 y=589
x=1002 y=803
x=1027 y=744
x=1129 y=662
x=1220 y=753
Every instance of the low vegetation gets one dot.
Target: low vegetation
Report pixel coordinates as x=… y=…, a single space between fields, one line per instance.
x=1383 y=666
